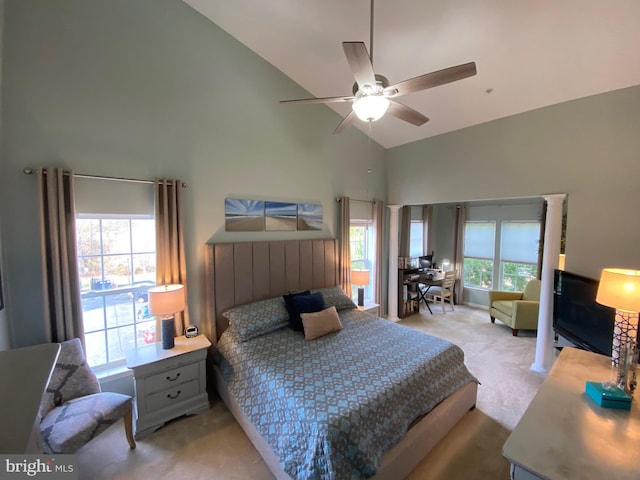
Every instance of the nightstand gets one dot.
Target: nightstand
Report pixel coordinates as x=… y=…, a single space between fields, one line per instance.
x=370 y=307
x=168 y=383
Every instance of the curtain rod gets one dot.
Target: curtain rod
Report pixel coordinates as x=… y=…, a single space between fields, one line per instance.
x=339 y=199
x=30 y=171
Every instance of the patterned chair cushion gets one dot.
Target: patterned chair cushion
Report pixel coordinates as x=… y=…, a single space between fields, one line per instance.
x=68 y=427
x=257 y=318
x=71 y=378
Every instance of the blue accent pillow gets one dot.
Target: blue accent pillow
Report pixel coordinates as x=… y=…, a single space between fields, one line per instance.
x=289 y=304
x=310 y=303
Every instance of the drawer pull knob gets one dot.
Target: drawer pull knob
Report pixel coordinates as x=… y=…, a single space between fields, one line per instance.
x=173 y=397
x=174 y=378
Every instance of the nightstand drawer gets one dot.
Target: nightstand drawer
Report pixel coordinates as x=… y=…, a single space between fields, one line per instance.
x=172 y=396
x=171 y=378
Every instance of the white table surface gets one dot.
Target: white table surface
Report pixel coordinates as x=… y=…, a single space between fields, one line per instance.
x=25 y=374
x=565 y=435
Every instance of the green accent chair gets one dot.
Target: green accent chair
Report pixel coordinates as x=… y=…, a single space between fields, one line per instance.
x=519 y=310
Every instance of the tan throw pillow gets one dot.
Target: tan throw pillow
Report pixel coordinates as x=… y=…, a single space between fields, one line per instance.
x=320 y=323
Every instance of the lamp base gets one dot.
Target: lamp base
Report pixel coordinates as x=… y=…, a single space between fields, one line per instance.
x=360 y=296
x=168 y=333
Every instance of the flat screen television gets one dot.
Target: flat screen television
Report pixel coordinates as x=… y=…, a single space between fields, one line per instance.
x=425 y=261
x=577 y=316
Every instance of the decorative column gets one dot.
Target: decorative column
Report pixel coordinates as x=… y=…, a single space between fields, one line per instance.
x=552 y=233
x=392 y=294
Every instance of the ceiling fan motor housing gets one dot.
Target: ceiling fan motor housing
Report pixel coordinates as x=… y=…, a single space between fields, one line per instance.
x=382 y=82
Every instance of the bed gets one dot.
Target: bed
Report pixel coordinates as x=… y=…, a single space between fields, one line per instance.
x=357 y=403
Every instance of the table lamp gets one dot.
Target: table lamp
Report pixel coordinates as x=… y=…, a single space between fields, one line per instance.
x=164 y=302
x=561 y=261
x=620 y=288
x=360 y=278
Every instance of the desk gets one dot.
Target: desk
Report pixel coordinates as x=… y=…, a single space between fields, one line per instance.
x=563 y=435
x=409 y=294
x=435 y=281
x=25 y=373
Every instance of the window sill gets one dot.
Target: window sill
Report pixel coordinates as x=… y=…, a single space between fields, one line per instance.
x=113 y=373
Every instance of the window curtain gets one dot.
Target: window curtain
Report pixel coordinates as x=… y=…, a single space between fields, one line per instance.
x=170 y=260
x=378 y=225
x=405 y=232
x=427 y=221
x=60 y=279
x=345 y=246
x=458 y=251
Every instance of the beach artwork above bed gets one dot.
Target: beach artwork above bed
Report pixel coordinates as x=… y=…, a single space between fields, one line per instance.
x=242 y=215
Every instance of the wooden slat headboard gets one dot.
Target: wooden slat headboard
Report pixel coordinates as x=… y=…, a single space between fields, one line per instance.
x=243 y=272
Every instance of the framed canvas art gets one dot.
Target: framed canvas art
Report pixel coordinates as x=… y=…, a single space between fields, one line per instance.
x=280 y=216
x=309 y=216
x=243 y=215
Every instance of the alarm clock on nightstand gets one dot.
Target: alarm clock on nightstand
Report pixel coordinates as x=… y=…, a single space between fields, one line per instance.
x=191 y=331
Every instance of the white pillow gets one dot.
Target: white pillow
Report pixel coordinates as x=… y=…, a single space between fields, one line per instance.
x=319 y=324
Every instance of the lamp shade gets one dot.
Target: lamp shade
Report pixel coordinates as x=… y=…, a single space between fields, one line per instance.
x=561 y=260
x=370 y=108
x=360 y=277
x=619 y=288
x=166 y=299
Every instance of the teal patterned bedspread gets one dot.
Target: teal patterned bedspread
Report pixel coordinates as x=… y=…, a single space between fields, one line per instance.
x=329 y=408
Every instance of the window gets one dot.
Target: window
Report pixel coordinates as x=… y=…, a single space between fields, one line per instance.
x=518 y=254
x=361 y=236
x=416 y=238
x=117 y=265
x=479 y=246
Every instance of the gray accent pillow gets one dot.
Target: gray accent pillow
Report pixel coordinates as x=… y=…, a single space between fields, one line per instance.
x=335 y=296
x=257 y=318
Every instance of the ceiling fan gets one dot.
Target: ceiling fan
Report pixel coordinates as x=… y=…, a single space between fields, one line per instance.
x=373 y=96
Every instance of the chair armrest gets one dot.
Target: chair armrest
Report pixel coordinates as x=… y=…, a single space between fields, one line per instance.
x=525 y=313
x=495 y=295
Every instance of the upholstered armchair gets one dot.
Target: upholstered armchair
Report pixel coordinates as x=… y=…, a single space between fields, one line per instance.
x=519 y=310
x=73 y=410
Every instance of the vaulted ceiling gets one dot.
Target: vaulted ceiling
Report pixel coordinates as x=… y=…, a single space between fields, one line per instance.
x=529 y=53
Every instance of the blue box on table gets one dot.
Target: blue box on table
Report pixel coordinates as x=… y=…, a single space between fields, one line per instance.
x=615 y=398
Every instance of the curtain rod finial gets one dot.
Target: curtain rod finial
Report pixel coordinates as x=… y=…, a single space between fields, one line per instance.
x=28 y=170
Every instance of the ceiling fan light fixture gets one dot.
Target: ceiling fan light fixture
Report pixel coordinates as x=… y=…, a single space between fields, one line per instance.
x=370 y=108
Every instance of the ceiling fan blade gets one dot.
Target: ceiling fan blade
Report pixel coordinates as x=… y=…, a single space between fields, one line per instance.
x=345 y=123
x=432 y=79
x=320 y=100
x=407 y=114
x=360 y=63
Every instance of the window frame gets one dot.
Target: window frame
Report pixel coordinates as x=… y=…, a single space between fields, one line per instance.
x=466 y=273
x=368 y=260
x=110 y=297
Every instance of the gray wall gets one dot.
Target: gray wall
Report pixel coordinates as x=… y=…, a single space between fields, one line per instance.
x=150 y=88
x=587 y=148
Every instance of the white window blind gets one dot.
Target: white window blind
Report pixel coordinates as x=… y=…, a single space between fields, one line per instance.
x=479 y=239
x=415 y=238
x=519 y=242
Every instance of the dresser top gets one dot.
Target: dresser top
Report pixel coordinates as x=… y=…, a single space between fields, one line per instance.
x=565 y=435
x=154 y=352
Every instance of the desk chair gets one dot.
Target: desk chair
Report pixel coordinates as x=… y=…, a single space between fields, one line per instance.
x=443 y=292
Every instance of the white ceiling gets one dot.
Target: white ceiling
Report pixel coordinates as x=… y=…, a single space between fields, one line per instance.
x=529 y=53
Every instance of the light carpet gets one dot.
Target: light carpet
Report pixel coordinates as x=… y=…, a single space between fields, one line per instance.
x=213 y=446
